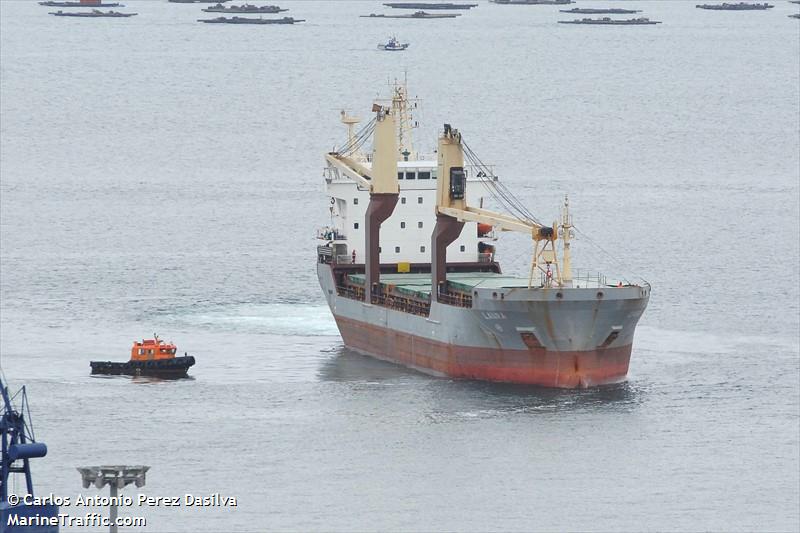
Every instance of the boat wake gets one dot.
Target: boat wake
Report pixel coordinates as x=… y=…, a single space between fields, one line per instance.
x=288 y=319
x=651 y=339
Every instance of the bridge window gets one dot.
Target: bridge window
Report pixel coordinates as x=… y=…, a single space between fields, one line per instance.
x=419 y=199
x=422 y=249
x=402 y=225
x=411 y=175
x=419 y=224
x=355 y=225
x=397 y=249
x=424 y=175
x=399 y=175
x=463 y=248
x=403 y=200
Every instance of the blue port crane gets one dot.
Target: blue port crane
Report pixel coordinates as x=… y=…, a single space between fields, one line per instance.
x=18 y=441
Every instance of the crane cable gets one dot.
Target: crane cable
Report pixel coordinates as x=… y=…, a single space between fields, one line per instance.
x=509 y=201
x=359 y=139
x=498 y=190
x=516 y=208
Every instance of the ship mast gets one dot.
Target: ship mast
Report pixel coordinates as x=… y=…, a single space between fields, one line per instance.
x=401 y=107
x=566 y=235
x=402 y=113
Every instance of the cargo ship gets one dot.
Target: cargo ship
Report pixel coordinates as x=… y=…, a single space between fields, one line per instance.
x=408 y=267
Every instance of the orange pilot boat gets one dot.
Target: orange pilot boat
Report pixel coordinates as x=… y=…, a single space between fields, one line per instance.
x=150 y=357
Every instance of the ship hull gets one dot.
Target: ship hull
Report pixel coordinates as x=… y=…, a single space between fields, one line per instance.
x=537 y=366
x=567 y=338
x=176 y=367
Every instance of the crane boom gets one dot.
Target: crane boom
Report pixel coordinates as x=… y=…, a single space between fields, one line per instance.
x=452 y=207
x=350 y=168
x=381 y=177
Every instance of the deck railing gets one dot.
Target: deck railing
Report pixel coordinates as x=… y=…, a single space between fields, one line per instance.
x=330 y=234
x=387 y=298
x=458 y=299
x=354 y=292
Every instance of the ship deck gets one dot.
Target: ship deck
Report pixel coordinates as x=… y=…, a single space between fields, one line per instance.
x=419 y=284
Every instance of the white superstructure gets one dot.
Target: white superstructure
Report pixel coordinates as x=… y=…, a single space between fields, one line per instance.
x=406 y=235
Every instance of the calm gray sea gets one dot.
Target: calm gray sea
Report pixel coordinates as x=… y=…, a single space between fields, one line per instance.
x=162 y=175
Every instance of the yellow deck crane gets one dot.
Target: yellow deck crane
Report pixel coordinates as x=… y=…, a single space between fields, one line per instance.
x=380 y=180
x=452 y=211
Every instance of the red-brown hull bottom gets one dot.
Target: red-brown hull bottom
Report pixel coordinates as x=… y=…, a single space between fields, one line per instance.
x=535 y=366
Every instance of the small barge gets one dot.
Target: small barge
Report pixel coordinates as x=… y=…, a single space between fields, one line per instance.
x=600 y=11
x=94 y=13
x=245 y=20
x=741 y=6
x=424 y=5
x=81 y=3
x=246 y=8
x=605 y=21
x=415 y=15
x=533 y=2
x=150 y=357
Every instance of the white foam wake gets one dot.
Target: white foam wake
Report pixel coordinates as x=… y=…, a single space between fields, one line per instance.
x=272 y=318
x=658 y=339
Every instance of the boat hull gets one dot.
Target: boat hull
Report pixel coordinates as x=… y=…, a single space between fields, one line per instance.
x=566 y=338
x=176 y=367
x=259 y=21
x=535 y=366
x=609 y=22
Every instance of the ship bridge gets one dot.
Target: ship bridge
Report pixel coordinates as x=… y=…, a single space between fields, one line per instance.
x=405 y=235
